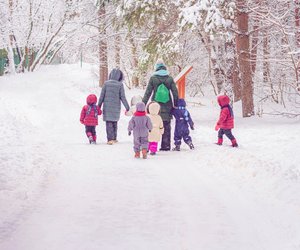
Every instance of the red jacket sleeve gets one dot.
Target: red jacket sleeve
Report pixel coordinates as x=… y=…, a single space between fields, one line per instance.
x=99 y=110
x=82 y=114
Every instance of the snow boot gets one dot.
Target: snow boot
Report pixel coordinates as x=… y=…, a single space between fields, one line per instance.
x=152 y=153
x=137 y=154
x=220 y=141
x=91 y=139
x=191 y=145
x=176 y=148
x=110 y=142
x=234 y=143
x=144 y=153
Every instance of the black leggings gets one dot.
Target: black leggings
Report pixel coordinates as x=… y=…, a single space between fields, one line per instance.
x=227 y=132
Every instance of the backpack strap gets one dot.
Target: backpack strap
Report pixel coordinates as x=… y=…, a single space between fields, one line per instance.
x=90 y=109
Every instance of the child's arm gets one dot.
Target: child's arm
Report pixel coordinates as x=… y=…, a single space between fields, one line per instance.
x=190 y=121
x=149 y=123
x=83 y=114
x=99 y=110
x=223 y=117
x=131 y=124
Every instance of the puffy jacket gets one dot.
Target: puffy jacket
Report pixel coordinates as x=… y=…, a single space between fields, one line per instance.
x=90 y=112
x=226 y=119
x=157 y=122
x=183 y=118
x=112 y=94
x=140 y=123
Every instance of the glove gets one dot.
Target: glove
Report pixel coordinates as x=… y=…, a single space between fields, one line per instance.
x=149 y=131
x=217 y=127
x=129 y=133
x=192 y=127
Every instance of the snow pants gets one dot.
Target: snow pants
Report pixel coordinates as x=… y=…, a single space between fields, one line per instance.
x=227 y=132
x=166 y=137
x=91 y=131
x=111 y=130
x=140 y=143
x=182 y=132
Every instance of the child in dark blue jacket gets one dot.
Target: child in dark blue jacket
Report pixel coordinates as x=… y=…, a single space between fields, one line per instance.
x=183 y=121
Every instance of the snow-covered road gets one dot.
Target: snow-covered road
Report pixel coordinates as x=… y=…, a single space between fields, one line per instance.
x=99 y=197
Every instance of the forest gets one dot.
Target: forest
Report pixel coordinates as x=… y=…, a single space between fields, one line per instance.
x=248 y=49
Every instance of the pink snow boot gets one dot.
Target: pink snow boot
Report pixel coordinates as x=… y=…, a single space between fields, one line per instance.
x=234 y=143
x=220 y=141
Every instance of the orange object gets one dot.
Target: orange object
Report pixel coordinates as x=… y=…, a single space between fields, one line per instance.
x=180 y=81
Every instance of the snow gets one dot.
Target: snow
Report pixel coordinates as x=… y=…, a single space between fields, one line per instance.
x=59 y=192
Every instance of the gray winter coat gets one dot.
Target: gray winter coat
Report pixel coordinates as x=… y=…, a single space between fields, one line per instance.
x=112 y=94
x=140 y=124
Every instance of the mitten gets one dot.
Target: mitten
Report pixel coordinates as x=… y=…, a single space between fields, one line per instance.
x=217 y=127
x=192 y=127
x=129 y=133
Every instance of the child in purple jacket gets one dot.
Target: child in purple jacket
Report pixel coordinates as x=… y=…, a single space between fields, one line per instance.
x=183 y=122
x=140 y=124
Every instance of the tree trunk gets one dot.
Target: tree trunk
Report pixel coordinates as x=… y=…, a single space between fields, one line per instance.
x=103 y=64
x=243 y=46
x=118 y=51
x=135 y=63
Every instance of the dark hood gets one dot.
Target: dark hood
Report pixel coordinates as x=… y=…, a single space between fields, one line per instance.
x=116 y=75
x=181 y=103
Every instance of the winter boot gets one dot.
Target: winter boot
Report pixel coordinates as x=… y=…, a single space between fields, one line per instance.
x=137 y=154
x=176 y=148
x=144 y=152
x=91 y=139
x=110 y=142
x=191 y=145
x=152 y=153
x=220 y=141
x=234 y=143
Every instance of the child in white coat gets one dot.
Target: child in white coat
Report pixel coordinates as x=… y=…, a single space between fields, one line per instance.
x=158 y=126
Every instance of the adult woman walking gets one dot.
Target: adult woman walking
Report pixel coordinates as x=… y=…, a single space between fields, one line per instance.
x=161 y=86
x=112 y=94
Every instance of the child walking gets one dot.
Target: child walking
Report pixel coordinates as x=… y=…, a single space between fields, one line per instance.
x=140 y=124
x=183 y=121
x=226 y=121
x=89 y=117
x=157 y=127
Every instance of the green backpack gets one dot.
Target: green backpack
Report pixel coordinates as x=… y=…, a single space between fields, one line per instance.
x=162 y=94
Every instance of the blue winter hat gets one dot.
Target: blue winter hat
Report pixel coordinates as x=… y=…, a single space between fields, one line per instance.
x=181 y=103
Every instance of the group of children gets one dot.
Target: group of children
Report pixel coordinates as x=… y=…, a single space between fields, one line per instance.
x=147 y=125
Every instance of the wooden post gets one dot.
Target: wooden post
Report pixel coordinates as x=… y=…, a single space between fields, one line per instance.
x=180 y=81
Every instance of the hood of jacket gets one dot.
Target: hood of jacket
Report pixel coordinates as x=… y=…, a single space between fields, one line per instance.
x=181 y=103
x=135 y=99
x=91 y=99
x=153 y=108
x=140 y=107
x=223 y=100
x=116 y=75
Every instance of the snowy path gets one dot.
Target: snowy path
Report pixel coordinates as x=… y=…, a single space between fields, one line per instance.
x=99 y=197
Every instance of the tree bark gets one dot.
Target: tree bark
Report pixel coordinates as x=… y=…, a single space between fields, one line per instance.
x=118 y=51
x=103 y=64
x=135 y=79
x=243 y=50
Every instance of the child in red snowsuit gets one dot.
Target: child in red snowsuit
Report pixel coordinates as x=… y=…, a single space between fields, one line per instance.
x=226 y=121
x=89 y=117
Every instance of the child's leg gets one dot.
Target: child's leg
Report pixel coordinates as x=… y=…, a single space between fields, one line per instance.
x=144 y=144
x=188 y=140
x=153 y=147
x=230 y=136
x=220 y=136
x=94 y=133
x=88 y=132
x=136 y=144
